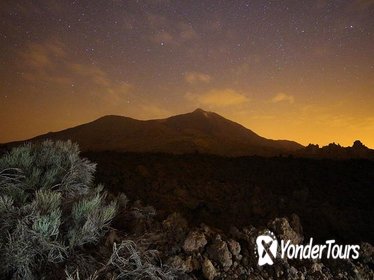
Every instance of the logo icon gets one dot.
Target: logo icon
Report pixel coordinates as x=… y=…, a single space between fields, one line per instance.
x=267 y=246
x=267 y=251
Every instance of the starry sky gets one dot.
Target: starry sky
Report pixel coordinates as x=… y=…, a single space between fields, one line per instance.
x=297 y=70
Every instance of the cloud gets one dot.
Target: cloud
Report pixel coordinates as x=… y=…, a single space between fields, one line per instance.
x=163 y=37
x=151 y=111
x=51 y=63
x=40 y=55
x=218 y=98
x=116 y=93
x=91 y=72
x=166 y=31
x=186 y=32
x=194 y=77
x=44 y=62
x=283 y=97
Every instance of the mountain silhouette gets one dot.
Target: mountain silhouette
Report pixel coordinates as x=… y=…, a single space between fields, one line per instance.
x=199 y=131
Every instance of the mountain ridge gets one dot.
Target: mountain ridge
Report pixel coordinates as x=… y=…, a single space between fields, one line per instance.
x=198 y=131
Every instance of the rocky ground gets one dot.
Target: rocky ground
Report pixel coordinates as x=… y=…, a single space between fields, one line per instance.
x=182 y=252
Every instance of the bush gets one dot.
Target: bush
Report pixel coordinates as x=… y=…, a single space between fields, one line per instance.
x=133 y=262
x=49 y=207
x=129 y=261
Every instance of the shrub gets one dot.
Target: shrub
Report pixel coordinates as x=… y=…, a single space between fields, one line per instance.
x=49 y=207
x=133 y=262
x=129 y=261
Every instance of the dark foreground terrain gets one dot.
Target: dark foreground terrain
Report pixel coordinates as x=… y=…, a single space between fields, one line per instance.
x=184 y=217
x=333 y=198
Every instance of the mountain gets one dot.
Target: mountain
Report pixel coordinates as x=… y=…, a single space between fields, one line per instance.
x=198 y=131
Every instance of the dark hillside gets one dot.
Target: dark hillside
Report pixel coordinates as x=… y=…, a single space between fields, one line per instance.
x=332 y=197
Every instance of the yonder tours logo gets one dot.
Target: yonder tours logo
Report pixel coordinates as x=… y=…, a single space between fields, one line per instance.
x=267 y=249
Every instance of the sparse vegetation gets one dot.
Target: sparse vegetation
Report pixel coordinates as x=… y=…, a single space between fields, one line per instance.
x=135 y=263
x=49 y=207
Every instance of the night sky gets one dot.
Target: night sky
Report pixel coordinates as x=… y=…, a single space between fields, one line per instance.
x=297 y=70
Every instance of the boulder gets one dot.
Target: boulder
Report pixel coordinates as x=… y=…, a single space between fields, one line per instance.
x=296 y=224
x=283 y=230
x=367 y=253
x=195 y=241
x=185 y=265
x=219 y=252
x=174 y=222
x=209 y=271
x=234 y=247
